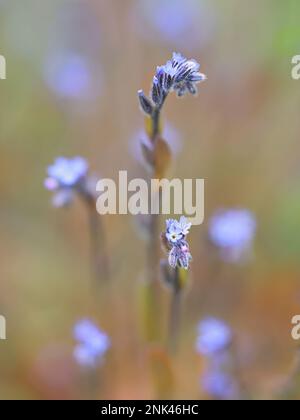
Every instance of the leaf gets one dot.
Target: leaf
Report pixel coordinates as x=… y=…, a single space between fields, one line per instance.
x=147 y=151
x=162 y=157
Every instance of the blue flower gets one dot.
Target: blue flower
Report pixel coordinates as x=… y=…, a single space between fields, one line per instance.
x=186 y=74
x=179 y=74
x=180 y=255
x=69 y=75
x=66 y=172
x=92 y=343
x=187 y=24
x=233 y=232
x=63 y=177
x=185 y=226
x=176 y=231
x=219 y=385
x=213 y=336
x=175 y=242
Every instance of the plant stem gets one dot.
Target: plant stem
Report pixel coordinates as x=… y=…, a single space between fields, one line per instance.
x=153 y=302
x=98 y=242
x=99 y=256
x=174 y=322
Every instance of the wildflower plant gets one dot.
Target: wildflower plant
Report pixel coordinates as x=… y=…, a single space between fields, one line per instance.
x=175 y=244
x=68 y=178
x=215 y=342
x=179 y=75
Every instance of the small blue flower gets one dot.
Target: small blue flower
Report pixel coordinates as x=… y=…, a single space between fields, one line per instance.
x=176 y=231
x=175 y=242
x=68 y=75
x=187 y=24
x=179 y=74
x=66 y=172
x=180 y=255
x=173 y=232
x=213 y=336
x=63 y=177
x=232 y=231
x=92 y=343
x=219 y=385
x=185 y=226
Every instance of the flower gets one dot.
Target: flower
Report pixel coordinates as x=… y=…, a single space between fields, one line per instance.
x=63 y=176
x=186 y=74
x=214 y=336
x=219 y=385
x=66 y=172
x=175 y=22
x=179 y=74
x=174 y=239
x=185 y=226
x=233 y=232
x=68 y=75
x=92 y=343
x=177 y=230
x=173 y=232
x=180 y=255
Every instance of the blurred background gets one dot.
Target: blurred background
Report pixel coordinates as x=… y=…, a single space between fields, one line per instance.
x=73 y=71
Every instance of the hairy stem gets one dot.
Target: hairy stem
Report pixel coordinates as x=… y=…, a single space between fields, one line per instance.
x=99 y=255
x=153 y=303
x=174 y=321
x=98 y=242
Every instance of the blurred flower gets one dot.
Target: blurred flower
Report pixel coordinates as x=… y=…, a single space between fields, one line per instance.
x=181 y=23
x=233 y=232
x=214 y=340
x=214 y=336
x=178 y=74
x=67 y=172
x=219 y=385
x=63 y=176
x=174 y=240
x=93 y=343
x=69 y=75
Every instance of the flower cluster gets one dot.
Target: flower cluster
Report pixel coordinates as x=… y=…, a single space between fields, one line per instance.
x=64 y=176
x=213 y=342
x=179 y=74
x=233 y=231
x=92 y=344
x=174 y=239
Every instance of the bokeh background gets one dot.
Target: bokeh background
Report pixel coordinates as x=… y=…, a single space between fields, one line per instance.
x=73 y=70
